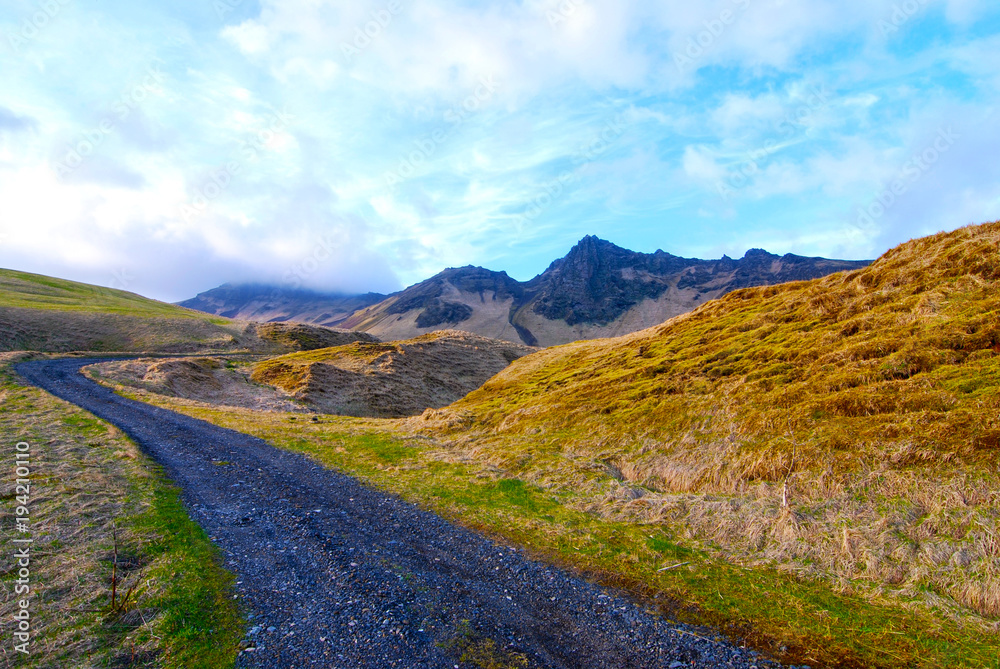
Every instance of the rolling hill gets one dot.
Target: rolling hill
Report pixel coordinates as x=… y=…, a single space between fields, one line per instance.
x=41 y=313
x=389 y=380
x=846 y=427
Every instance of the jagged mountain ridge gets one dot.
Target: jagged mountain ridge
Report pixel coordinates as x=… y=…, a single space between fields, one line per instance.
x=598 y=281
x=597 y=290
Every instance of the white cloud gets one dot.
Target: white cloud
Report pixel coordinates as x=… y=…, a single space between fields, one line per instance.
x=250 y=37
x=700 y=164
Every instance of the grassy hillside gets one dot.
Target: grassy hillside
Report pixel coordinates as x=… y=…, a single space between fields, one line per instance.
x=42 y=313
x=34 y=291
x=846 y=429
x=904 y=351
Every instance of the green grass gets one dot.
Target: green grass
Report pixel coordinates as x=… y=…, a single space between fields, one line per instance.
x=484 y=653
x=34 y=291
x=90 y=483
x=199 y=621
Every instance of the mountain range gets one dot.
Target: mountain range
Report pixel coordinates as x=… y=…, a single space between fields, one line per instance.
x=597 y=290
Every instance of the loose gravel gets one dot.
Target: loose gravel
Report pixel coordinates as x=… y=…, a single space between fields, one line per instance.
x=334 y=573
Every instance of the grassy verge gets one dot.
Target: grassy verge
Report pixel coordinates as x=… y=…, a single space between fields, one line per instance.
x=799 y=620
x=92 y=491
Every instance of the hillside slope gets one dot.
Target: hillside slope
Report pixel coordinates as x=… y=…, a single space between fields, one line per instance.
x=597 y=290
x=269 y=304
x=43 y=313
x=477 y=299
x=389 y=380
x=210 y=380
x=846 y=427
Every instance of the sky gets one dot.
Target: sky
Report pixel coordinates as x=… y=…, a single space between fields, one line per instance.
x=166 y=148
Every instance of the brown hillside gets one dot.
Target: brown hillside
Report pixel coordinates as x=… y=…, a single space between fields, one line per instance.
x=392 y=379
x=846 y=427
x=302 y=337
x=27 y=329
x=210 y=380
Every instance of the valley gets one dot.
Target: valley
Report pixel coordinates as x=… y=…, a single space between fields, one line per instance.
x=809 y=468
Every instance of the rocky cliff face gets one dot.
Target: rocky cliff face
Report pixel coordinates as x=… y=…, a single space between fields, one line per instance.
x=597 y=290
x=431 y=296
x=598 y=282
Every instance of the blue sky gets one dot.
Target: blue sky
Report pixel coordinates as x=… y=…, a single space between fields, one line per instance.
x=169 y=147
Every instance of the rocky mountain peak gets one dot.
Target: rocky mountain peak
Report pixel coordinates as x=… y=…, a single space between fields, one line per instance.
x=584 y=294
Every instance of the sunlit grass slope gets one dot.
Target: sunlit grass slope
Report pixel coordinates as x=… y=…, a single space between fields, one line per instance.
x=48 y=314
x=903 y=352
x=34 y=291
x=847 y=427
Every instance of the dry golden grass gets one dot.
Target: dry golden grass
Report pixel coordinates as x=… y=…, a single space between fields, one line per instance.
x=845 y=428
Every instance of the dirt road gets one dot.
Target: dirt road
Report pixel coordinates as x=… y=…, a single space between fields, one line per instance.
x=337 y=574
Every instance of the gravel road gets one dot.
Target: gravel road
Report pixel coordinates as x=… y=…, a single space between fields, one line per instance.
x=338 y=574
